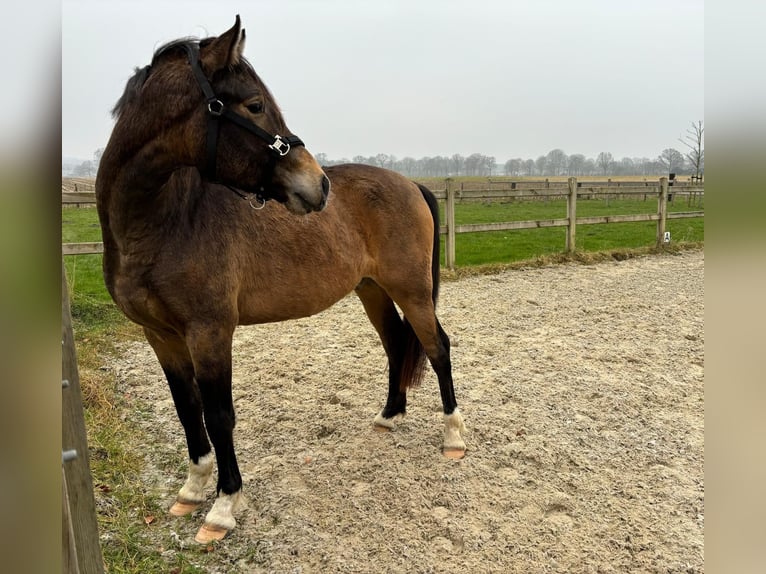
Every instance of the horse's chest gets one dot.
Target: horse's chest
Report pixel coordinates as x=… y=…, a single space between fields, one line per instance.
x=136 y=294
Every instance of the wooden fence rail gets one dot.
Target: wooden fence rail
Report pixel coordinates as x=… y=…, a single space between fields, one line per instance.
x=544 y=190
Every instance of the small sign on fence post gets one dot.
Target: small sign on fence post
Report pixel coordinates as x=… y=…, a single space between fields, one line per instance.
x=662 y=211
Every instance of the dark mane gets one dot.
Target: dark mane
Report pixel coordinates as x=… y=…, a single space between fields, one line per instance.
x=132 y=87
x=134 y=84
x=140 y=75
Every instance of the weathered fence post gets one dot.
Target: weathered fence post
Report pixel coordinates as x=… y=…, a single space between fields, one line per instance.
x=77 y=480
x=572 y=214
x=662 y=211
x=449 y=212
x=69 y=563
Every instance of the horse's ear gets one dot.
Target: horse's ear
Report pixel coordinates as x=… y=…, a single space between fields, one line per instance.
x=225 y=50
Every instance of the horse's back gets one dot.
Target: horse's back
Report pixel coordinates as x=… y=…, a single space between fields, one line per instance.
x=393 y=218
x=383 y=203
x=382 y=188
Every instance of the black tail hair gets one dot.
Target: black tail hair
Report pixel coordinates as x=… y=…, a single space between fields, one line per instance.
x=414 y=359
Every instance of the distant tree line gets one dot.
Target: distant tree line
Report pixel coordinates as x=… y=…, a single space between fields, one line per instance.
x=555 y=162
x=88 y=168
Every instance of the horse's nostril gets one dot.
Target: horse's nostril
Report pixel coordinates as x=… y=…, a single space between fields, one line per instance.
x=325 y=185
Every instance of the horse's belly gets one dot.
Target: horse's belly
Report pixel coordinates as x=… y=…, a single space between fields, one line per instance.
x=281 y=302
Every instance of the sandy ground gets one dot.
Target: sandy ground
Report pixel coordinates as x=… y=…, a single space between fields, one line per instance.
x=582 y=390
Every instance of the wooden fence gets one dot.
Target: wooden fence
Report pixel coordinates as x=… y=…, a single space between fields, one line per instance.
x=572 y=190
x=81 y=552
x=511 y=191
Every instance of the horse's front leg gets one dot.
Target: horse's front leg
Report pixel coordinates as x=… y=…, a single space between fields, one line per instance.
x=173 y=354
x=210 y=350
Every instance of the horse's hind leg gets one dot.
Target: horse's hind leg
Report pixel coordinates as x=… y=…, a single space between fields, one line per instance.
x=454 y=447
x=177 y=365
x=421 y=314
x=384 y=317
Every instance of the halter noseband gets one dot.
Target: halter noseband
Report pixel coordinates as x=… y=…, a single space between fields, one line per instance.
x=216 y=110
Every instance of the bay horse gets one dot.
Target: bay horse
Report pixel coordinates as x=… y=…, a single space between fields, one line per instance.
x=193 y=247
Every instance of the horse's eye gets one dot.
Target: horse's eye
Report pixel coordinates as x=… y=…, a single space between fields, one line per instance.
x=255 y=108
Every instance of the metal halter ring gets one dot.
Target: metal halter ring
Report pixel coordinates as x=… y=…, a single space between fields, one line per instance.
x=258 y=198
x=215 y=107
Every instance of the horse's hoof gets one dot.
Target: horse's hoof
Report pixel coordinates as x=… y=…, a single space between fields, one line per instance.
x=210 y=533
x=454 y=453
x=383 y=424
x=183 y=507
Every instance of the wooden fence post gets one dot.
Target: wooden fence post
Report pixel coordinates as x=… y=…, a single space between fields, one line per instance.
x=69 y=563
x=571 y=214
x=449 y=212
x=77 y=478
x=662 y=211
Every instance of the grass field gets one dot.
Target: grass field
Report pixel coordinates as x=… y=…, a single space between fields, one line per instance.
x=519 y=245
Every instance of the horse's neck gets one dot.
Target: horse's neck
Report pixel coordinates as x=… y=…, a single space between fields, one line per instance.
x=141 y=193
x=137 y=163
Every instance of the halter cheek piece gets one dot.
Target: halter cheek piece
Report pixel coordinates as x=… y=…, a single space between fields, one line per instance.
x=279 y=145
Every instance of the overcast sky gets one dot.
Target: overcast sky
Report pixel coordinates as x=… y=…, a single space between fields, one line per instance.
x=420 y=77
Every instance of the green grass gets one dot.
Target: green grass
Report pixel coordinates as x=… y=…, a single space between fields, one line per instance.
x=92 y=307
x=493 y=247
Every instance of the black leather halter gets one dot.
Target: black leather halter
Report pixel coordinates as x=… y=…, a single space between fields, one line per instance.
x=279 y=145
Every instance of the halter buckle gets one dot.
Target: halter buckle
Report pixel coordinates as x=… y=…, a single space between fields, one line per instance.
x=279 y=146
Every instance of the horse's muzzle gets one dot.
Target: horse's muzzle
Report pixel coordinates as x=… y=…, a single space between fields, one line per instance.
x=305 y=184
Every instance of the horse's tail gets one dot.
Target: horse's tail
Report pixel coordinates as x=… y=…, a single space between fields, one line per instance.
x=414 y=359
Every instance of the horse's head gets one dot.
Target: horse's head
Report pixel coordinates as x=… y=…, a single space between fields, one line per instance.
x=203 y=104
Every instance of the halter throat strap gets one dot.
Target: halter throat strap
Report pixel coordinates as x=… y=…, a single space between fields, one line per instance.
x=279 y=145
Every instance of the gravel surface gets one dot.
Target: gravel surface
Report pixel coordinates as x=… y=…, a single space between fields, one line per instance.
x=582 y=391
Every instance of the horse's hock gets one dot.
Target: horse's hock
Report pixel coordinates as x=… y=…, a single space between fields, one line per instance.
x=583 y=386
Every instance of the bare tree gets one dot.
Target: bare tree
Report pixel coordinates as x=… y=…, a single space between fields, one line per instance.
x=489 y=162
x=671 y=160
x=556 y=162
x=576 y=164
x=513 y=166
x=457 y=164
x=626 y=166
x=540 y=165
x=605 y=161
x=85 y=169
x=694 y=141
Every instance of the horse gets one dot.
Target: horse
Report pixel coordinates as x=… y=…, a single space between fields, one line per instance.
x=214 y=214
